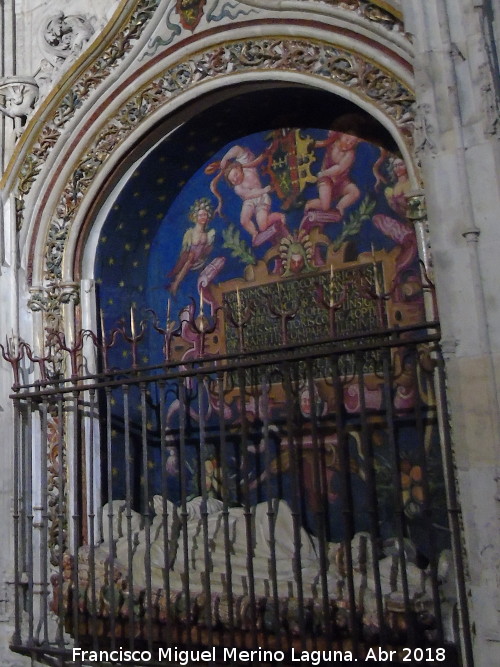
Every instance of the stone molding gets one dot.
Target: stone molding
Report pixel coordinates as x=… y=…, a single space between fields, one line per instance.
x=374 y=15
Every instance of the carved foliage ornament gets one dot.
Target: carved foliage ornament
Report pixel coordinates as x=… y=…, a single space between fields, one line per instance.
x=91 y=78
x=346 y=69
x=64 y=36
x=56 y=484
x=50 y=298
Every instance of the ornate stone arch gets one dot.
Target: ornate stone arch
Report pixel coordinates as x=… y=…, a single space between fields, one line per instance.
x=372 y=76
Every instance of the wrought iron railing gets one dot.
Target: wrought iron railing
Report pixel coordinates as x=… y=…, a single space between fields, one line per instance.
x=279 y=500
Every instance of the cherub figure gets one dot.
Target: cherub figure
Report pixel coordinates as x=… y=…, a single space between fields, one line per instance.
x=334 y=183
x=396 y=193
x=197 y=242
x=402 y=233
x=239 y=167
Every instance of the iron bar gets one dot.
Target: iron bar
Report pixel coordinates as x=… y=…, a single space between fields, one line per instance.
x=128 y=514
x=43 y=524
x=373 y=515
x=271 y=508
x=165 y=511
x=89 y=421
x=183 y=409
x=419 y=420
x=346 y=500
x=17 y=511
x=292 y=445
x=321 y=495
x=61 y=518
x=110 y=518
x=399 y=519
x=203 y=456
x=366 y=340
x=76 y=489
x=224 y=453
x=146 y=510
x=188 y=369
x=29 y=519
x=245 y=502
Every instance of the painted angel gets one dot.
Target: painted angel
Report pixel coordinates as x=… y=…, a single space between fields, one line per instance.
x=197 y=243
x=239 y=168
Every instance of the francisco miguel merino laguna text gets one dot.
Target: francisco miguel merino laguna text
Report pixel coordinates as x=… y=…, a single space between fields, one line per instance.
x=187 y=656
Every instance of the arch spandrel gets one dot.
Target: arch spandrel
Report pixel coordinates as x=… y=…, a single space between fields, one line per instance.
x=63 y=102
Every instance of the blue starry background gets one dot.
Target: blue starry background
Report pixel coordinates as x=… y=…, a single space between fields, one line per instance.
x=130 y=232
x=142 y=235
x=141 y=240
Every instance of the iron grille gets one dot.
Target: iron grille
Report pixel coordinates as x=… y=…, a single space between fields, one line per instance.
x=280 y=500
